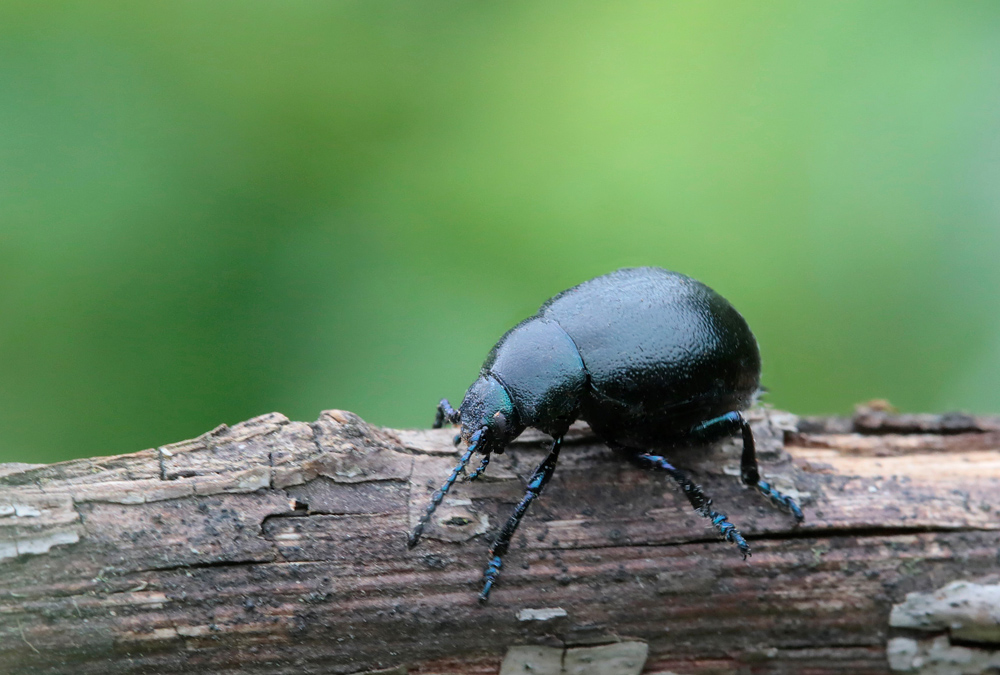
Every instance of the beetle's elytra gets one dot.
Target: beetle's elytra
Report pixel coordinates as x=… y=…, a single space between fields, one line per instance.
x=649 y=358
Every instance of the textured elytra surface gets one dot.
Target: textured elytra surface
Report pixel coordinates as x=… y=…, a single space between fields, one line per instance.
x=663 y=352
x=642 y=354
x=279 y=547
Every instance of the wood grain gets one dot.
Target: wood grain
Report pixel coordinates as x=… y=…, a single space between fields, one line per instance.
x=280 y=547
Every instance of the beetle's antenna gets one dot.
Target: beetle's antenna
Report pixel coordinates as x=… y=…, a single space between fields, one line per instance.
x=443 y=490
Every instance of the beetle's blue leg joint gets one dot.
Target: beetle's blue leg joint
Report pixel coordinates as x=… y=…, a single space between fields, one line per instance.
x=701 y=503
x=438 y=495
x=445 y=413
x=717 y=427
x=536 y=483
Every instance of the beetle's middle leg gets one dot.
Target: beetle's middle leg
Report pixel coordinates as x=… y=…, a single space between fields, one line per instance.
x=730 y=423
x=701 y=503
x=537 y=481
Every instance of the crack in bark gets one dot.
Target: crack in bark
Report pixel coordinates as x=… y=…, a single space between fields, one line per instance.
x=872 y=531
x=840 y=645
x=208 y=565
x=828 y=533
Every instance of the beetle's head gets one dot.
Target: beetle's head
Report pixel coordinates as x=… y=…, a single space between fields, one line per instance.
x=487 y=404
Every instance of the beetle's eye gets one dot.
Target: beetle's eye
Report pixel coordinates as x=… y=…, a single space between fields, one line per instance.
x=500 y=422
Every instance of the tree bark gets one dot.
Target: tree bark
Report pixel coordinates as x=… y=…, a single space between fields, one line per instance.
x=280 y=547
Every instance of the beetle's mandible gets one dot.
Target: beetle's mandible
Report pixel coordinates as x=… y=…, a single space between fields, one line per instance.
x=648 y=358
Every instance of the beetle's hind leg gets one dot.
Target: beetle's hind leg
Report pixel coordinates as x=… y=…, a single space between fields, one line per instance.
x=749 y=471
x=537 y=481
x=701 y=503
x=445 y=413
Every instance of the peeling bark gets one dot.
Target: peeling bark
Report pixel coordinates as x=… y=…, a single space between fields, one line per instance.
x=280 y=547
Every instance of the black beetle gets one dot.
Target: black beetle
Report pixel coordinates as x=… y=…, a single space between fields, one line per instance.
x=651 y=359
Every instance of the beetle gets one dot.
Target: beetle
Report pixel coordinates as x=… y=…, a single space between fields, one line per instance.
x=650 y=359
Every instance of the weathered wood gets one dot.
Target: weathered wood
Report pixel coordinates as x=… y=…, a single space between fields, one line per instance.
x=280 y=547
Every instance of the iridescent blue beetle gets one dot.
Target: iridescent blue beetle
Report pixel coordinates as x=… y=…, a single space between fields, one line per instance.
x=651 y=359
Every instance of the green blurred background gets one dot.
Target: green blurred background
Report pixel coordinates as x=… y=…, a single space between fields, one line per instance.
x=210 y=211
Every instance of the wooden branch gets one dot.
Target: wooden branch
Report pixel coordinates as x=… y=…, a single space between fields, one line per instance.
x=280 y=547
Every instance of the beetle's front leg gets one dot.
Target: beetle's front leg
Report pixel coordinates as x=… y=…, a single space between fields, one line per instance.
x=446 y=413
x=537 y=481
x=479 y=471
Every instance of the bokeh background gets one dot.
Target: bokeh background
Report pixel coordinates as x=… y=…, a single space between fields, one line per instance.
x=210 y=211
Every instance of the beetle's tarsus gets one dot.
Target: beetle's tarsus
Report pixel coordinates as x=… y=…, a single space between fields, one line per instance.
x=490 y=575
x=727 y=530
x=780 y=499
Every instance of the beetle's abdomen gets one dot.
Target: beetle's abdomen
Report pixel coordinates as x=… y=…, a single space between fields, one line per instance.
x=540 y=367
x=663 y=351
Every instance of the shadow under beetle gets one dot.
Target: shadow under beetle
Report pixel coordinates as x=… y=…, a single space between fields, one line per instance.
x=650 y=359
